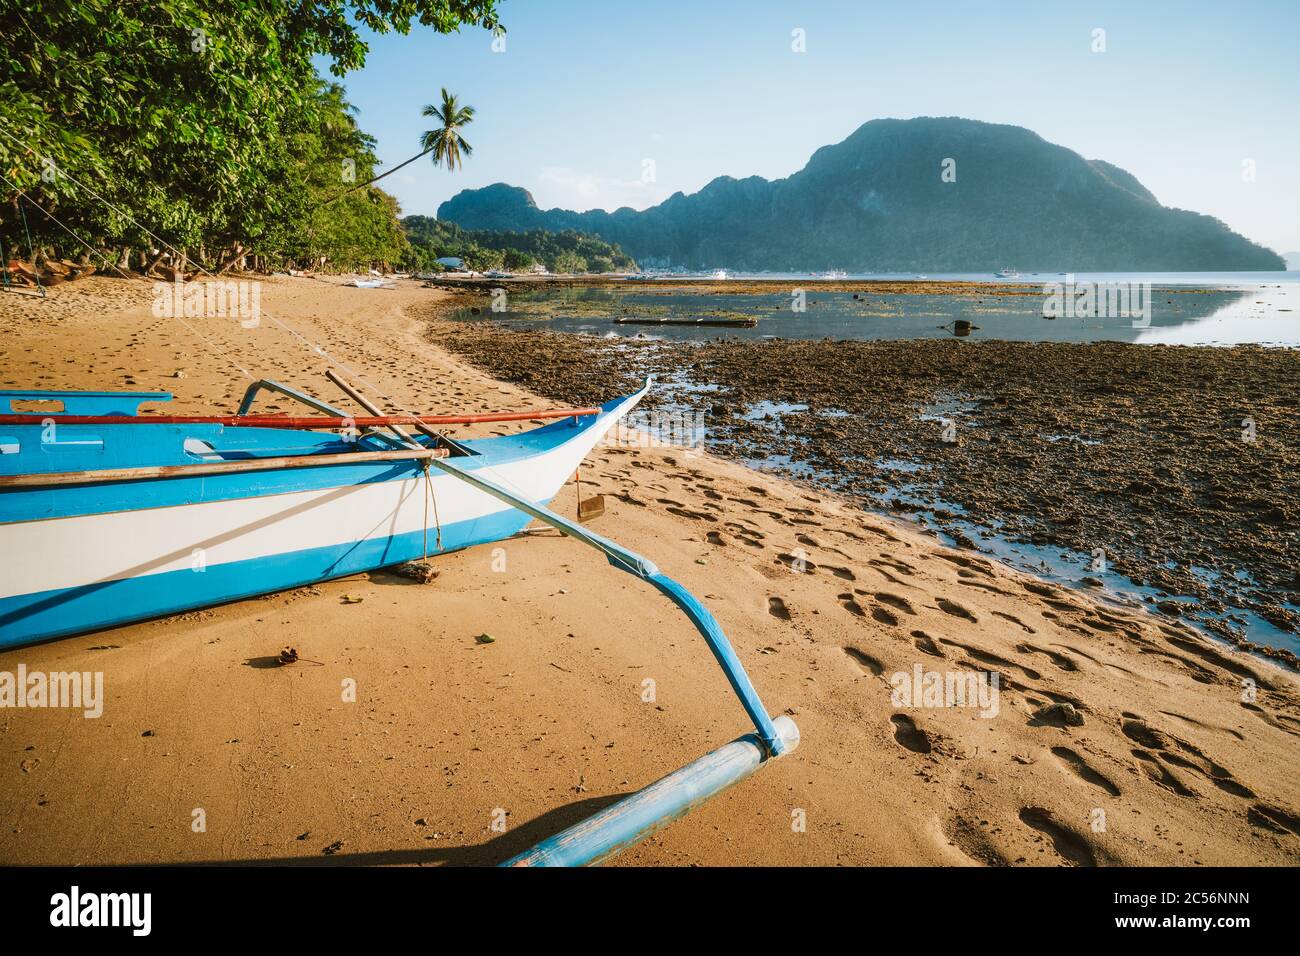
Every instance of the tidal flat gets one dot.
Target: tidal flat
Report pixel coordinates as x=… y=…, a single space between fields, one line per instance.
x=1165 y=475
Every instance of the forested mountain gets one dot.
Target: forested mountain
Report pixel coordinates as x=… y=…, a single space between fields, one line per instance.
x=929 y=194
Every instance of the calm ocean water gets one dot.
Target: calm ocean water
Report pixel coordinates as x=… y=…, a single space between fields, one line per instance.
x=1224 y=309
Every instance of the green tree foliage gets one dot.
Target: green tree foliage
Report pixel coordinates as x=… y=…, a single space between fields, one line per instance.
x=200 y=122
x=569 y=251
x=357 y=229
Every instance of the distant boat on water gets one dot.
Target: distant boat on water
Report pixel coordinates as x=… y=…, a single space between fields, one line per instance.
x=719 y=275
x=1007 y=273
x=835 y=274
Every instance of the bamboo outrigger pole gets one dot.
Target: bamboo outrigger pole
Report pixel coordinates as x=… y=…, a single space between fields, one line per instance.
x=636 y=817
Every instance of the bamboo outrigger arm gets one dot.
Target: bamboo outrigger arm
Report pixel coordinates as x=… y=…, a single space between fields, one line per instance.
x=646 y=569
x=635 y=817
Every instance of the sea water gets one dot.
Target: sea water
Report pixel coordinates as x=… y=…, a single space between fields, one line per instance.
x=1185 y=309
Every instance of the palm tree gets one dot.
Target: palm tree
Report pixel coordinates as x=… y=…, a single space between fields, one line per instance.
x=446 y=143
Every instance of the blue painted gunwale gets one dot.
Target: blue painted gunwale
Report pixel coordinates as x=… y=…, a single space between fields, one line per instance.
x=133 y=446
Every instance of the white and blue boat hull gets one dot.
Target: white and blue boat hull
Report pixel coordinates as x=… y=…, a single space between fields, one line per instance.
x=84 y=557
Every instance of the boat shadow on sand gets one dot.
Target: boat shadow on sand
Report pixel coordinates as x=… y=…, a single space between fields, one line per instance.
x=495 y=851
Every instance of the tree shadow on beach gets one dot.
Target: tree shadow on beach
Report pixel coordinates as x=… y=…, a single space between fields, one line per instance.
x=495 y=851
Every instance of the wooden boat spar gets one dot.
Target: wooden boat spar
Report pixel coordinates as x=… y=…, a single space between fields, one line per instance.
x=108 y=516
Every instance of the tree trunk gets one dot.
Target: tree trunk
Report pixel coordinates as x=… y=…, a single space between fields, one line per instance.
x=154 y=263
x=236 y=255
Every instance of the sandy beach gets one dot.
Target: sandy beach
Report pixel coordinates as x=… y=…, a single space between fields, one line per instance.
x=1186 y=753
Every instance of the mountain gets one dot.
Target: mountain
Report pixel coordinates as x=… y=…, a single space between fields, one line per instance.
x=877 y=202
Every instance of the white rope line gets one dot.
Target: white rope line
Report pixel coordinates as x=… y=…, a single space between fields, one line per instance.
x=104 y=259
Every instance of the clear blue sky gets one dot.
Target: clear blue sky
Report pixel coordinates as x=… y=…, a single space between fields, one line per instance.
x=586 y=91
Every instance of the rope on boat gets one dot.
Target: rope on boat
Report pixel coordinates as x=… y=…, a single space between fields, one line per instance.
x=30 y=251
x=437 y=523
x=58 y=222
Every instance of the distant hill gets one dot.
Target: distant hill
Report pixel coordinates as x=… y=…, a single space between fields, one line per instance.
x=876 y=202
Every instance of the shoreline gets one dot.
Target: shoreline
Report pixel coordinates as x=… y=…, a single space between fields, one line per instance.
x=549 y=720
x=705 y=286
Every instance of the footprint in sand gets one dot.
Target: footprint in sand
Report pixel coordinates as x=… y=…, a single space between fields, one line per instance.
x=1163 y=744
x=865 y=661
x=776 y=607
x=850 y=605
x=1137 y=731
x=970 y=564
x=1072 y=847
x=1015 y=620
x=693 y=515
x=1083 y=770
x=956 y=610
x=894 y=601
x=886 y=561
x=1042 y=590
x=993 y=660
x=1203 y=725
x=1161 y=775
x=844 y=574
x=1269 y=719
x=985 y=586
x=1060 y=660
x=925 y=644
x=1273 y=818
x=909 y=735
x=885 y=617
x=715 y=537
x=796 y=564
x=1211 y=656
x=1216 y=774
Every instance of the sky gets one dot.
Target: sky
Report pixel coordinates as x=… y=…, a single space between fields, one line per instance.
x=600 y=105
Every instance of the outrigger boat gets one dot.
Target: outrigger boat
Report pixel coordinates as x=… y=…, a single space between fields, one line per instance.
x=108 y=516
